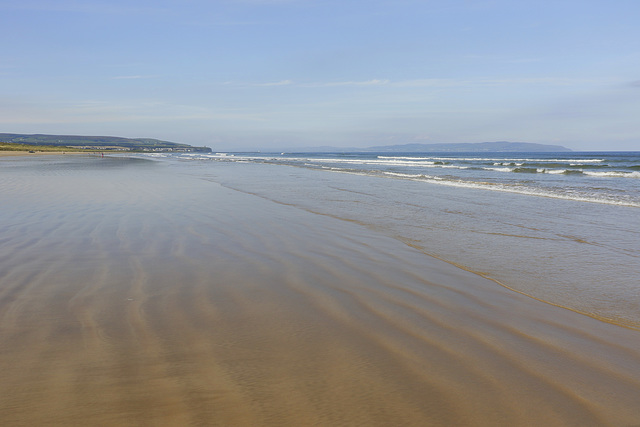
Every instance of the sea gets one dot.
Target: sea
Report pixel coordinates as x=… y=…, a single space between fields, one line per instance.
x=609 y=178
x=562 y=227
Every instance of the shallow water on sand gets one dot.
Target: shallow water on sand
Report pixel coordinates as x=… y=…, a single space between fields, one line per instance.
x=583 y=256
x=143 y=293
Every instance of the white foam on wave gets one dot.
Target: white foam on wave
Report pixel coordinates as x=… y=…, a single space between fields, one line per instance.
x=529 y=191
x=420 y=164
x=540 y=192
x=376 y=162
x=405 y=158
x=332 y=164
x=410 y=176
x=492 y=159
x=613 y=174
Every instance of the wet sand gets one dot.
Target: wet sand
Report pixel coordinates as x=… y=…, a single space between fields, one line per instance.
x=133 y=293
x=4 y=153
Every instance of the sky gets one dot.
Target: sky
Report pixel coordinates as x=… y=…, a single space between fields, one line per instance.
x=272 y=74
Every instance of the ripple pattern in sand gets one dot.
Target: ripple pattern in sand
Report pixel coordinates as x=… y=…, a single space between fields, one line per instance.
x=158 y=299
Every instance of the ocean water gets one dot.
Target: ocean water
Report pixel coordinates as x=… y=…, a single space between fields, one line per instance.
x=560 y=227
x=602 y=177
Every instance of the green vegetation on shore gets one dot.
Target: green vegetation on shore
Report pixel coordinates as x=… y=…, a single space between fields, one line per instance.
x=96 y=143
x=10 y=146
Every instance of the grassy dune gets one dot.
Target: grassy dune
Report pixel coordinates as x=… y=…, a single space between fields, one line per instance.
x=8 y=146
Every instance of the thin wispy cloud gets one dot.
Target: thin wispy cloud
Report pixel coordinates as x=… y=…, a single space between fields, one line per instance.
x=280 y=83
x=503 y=59
x=524 y=81
x=438 y=83
x=133 y=77
x=430 y=83
x=96 y=111
x=372 y=82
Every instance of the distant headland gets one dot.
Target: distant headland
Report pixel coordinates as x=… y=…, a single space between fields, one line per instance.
x=96 y=143
x=500 y=146
x=471 y=147
x=477 y=147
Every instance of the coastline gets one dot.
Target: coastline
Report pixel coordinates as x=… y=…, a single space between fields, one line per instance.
x=149 y=296
x=583 y=256
x=9 y=153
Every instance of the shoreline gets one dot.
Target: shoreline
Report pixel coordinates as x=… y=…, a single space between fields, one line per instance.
x=163 y=297
x=632 y=326
x=565 y=259
x=10 y=153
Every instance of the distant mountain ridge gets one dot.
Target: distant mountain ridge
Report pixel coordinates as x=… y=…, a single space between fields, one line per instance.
x=472 y=147
x=499 y=146
x=100 y=142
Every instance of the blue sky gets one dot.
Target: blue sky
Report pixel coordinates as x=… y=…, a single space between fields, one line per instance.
x=261 y=74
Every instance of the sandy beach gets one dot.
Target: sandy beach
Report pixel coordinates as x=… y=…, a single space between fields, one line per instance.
x=136 y=293
x=8 y=153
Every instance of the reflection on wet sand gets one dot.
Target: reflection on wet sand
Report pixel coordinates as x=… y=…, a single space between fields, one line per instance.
x=136 y=295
